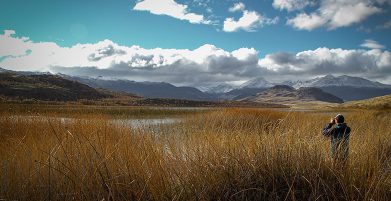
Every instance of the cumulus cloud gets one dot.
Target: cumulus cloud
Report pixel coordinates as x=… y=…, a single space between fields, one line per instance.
x=249 y=21
x=291 y=5
x=170 y=8
x=372 y=44
x=204 y=65
x=237 y=7
x=106 y=58
x=334 y=14
x=12 y=46
x=307 y=22
x=365 y=63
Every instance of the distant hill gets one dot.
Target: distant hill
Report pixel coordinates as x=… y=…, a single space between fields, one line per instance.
x=381 y=102
x=285 y=94
x=147 y=89
x=45 y=87
x=2 y=70
x=238 y=94
x=346 y=87
x=343 y=80
x=356 y=93
x=251 y=87
x=226 y=91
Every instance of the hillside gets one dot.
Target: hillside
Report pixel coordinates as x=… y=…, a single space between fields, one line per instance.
x=146 y=89
x=51 y=89
x=381 y=102
x=343 y=80
x=45 y=87
x=349 y=93
x=346 y=87
x=238 y=94
x=288 y=95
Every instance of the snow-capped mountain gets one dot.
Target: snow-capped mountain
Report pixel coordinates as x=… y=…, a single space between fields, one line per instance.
x=218 y=89
x=340 y=81
x=258 y=82
x=3 y=70
x=346 y=87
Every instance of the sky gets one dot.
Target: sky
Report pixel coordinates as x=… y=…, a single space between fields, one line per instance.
x=198 y=42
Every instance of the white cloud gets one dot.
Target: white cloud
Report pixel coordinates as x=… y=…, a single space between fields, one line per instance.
x=334 y=14
x=249 y=21
x=237 y=7
x=245 y=53
x=364 y=63
x=9 y=33
x=170 y=8
x=206 y=64
x=12 y=46
x=307 y=22
x=291 y=5
x=181 y=66
x=351 y=13
x=372 y=44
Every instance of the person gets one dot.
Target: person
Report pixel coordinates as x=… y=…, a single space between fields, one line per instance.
x=339 y=133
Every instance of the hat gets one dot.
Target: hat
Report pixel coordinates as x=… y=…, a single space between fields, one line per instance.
x=339 y=118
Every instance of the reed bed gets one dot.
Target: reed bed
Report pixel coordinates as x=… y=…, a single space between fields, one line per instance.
x=79 y=111
x=225 y=154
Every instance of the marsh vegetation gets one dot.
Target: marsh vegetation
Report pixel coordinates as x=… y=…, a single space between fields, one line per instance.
x=219 y=154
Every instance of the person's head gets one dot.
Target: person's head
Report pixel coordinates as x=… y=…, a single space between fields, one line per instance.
x=339 y=118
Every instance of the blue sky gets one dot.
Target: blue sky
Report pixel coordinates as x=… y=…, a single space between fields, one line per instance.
x=273 y=28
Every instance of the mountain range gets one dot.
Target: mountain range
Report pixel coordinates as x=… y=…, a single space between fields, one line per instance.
x=343 y=80
x=146 y=89
x=345 y=87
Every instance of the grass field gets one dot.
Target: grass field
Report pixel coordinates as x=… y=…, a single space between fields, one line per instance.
x=219 y=154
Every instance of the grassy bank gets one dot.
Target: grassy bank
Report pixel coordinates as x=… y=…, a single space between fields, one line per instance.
x=225 y=154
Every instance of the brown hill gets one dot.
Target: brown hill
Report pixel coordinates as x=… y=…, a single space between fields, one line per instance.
x=381 y=102
x=288 y=95
x=45 y=87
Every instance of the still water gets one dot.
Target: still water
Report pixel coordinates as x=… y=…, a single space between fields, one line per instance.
x=131 y=122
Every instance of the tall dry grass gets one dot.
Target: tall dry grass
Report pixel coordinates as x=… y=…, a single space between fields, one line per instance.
x=81 y=111
x=228 y=154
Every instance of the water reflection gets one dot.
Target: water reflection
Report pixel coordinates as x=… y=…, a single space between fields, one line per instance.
x=133 y=123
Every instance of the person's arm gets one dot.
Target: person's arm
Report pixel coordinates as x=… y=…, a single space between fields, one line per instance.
x=328 y=130
x=347 y=132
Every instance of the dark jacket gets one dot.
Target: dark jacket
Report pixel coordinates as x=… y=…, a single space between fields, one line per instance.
x=339 y=136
